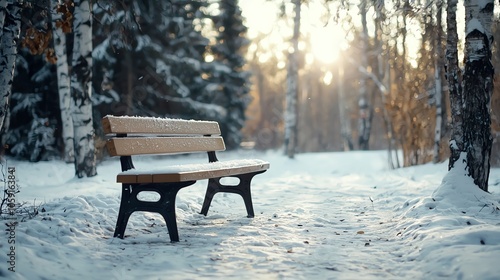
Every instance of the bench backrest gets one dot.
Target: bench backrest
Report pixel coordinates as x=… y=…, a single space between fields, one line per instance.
x=148 y=135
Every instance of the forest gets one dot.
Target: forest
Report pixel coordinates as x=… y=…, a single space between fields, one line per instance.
x=334 y=97
x=387 y=87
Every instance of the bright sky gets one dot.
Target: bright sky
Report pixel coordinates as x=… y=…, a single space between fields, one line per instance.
x=326 y=38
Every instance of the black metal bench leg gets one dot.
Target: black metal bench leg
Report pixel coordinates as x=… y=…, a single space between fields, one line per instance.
x=121 y=224
x=168 y=211
x=212 y=188
x=243 y=189
x=165 y=206
x=171 y=222
x=245 y=192
x=124 y=212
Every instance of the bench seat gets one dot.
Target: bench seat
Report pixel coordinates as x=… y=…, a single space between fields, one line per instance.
x=192 y=172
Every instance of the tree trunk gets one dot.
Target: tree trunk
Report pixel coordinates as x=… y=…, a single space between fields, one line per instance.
x=364 y=125
x=470 y=104
x=384 y=82
x=438 y=86
x=10 y=14
x=4 y=113
x=290 y=141
x=454 y=83
x=129 y=97
x=63 y=85
x=81 y=91
x=345 y=120
x=3 y=10
x=477 y=90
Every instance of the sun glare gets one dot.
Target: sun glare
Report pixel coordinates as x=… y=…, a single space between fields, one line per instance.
x=327 y=78
x=326 y=43
x=258 y=16
x=326 y=40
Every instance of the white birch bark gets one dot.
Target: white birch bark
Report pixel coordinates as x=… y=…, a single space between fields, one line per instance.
x=292 y=88
x=364 y=125
x=454 y=83
x=5 y=115
x=63 y=85
x=345 y=121
x=8 y=51
x=407 y=141
x=81 y=91
x=438 y=85
x=383 y=82
x=470 y=95
x=477 y=89
x=3 y=11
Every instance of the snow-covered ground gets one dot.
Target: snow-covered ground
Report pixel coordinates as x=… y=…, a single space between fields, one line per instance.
x=319 y=216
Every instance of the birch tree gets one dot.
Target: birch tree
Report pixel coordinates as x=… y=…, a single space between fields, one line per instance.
x=3 y=10
x=10 y=20
x=382 y=80
x=364 y=118
x=454 y=82
x=290 y=141
x=81 y=91
x=63 y=81
x=344 y=112
x=3 y=100
x=470 y=103
x=438 y=85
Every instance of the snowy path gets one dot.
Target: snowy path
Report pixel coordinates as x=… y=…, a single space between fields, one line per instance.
x=320 y=216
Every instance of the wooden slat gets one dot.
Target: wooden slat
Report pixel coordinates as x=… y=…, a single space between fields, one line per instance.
x=149 y=125
x=163 y=145
x=158 y=177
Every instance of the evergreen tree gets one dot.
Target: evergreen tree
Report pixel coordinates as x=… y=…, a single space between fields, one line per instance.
x=155 y=47
x=34 y=110
x=32 y=132
x=233 y=80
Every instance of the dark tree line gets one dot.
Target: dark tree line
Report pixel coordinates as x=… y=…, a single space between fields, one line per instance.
x=179 y=59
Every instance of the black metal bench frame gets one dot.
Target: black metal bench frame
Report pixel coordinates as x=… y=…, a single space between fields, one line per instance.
x=165 y=205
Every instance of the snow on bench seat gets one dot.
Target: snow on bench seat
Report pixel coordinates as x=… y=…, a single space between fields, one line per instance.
x=192 y=172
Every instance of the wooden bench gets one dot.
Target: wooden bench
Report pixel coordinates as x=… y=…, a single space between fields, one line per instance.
x=130 y=136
